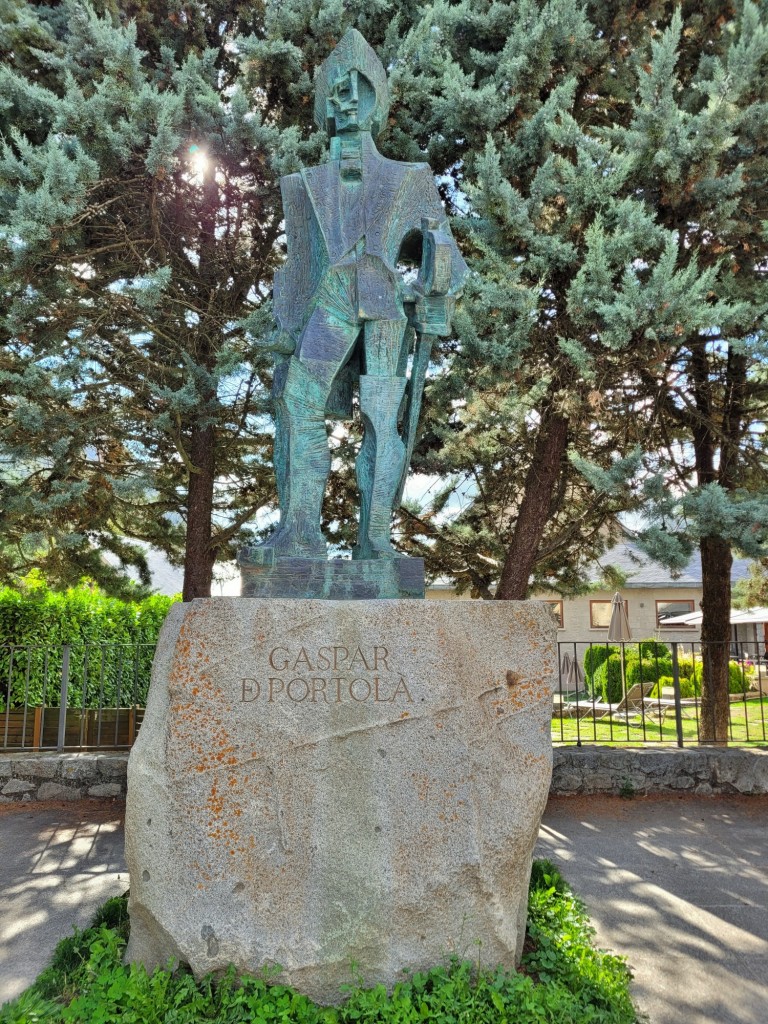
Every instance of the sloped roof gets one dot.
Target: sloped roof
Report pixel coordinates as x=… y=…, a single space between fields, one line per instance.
x=642 y=571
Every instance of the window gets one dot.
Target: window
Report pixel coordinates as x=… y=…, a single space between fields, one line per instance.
x=600 y=614
x=557 y=611
x=668 y=609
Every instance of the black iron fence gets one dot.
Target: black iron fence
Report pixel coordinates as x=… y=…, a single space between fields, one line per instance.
x=650 y=692
x=77 y=696
x=92 y=696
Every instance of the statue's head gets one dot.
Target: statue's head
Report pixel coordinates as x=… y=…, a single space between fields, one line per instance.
x=351 y=91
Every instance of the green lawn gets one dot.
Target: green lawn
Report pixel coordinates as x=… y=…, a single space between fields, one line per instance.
x=749 y=724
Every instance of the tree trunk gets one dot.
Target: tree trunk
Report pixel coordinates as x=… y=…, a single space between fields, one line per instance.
x=716 y=562
x=199 y=554
x=540 y=483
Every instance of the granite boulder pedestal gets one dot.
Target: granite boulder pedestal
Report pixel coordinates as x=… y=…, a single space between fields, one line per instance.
x=319 y=784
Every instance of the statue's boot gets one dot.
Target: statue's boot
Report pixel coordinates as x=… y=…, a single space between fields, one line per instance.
x=304 y=461
x=379 y=464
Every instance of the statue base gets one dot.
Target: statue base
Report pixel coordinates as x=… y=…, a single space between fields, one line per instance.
x=265 y=573
x=342 y=788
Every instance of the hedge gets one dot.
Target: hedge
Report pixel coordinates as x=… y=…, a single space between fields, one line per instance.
x=111 y=644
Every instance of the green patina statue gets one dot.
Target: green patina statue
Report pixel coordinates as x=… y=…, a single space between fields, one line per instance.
x=348 y=320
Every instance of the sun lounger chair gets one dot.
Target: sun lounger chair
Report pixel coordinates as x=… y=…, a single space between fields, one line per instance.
x=630 y=705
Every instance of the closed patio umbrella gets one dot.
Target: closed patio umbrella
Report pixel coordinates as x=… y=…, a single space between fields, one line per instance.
x=575 y=678
x=619 y=632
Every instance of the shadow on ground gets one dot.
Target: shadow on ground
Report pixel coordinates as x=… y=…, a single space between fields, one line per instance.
x=679 y=885
x=60 y=863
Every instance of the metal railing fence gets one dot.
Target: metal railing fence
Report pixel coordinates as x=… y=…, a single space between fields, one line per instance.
x=649 y=692
x=75 y=696
x=86 y=696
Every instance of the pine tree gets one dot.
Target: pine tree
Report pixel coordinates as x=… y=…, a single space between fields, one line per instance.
x=696 y=124
x=140 y=211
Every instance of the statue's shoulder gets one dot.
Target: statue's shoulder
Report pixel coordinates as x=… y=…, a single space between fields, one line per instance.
x=400 y=167
x=290 y=180
x=320 y=172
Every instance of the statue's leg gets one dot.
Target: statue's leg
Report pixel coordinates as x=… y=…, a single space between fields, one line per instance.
x=302 y=460
x=380 y=461
x=300 y=396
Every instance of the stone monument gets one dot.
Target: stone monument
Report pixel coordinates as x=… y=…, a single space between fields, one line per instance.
x=318 y=781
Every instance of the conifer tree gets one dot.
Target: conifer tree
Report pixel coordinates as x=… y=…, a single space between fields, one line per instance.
x=139 y=214
x=699 y=134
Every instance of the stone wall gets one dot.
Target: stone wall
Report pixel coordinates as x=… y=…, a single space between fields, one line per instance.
x=577 y=771
x=640 y=770
x=45 y=776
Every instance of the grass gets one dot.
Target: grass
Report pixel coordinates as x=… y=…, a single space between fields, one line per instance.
x=563 y=979
x=749 y=725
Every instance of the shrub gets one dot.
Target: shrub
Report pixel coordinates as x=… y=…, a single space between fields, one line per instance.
x=646 y=670
x=594 y=657
x=111 y=644
x=653 y=650
x=690 y=685
x=737 y=678
x=607 y=680
x=564 y=979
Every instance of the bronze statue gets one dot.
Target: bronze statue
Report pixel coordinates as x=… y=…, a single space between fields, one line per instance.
x=346 y=318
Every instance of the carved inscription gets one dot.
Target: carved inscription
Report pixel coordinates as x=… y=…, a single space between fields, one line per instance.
x=329 y=675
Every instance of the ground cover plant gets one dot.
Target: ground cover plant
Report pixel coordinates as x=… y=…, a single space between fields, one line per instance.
x=562 y=979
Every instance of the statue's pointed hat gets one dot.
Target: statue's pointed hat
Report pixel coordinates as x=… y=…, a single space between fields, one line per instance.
x=353 y=53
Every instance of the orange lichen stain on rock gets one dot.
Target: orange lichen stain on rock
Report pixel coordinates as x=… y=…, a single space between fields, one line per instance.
x=523 y=693
x=405 y=714
x=422 y=784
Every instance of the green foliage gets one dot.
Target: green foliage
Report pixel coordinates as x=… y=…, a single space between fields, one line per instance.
x=646 y=670
x=691 y=676
x=566 y=979
x=606 y=171
x=627 y=789
x=653 y=649
x=752 y=591
x=690 y=667
x=608 y=685
x=139 y=230
x=594 y=656
x=111 y=644
x=643 y=662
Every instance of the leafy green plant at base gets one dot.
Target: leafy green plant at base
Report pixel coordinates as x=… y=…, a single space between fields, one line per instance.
x=563 y=979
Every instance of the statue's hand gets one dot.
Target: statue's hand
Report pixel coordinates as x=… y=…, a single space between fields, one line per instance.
x=433 y=313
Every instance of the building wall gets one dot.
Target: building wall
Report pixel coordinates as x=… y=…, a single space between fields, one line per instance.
x=641 y=611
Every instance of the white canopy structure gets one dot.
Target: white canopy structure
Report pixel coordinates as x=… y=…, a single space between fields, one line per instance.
x=739 y=617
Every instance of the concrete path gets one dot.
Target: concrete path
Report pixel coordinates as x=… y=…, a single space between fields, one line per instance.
x=680 y=886
x=58 y=864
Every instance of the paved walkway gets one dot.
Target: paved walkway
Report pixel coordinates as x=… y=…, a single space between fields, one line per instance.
x=678 y=885
x=57 y=866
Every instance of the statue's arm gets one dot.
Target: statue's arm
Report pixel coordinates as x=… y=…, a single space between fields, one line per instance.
x=433 y=210
x=441 y=277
